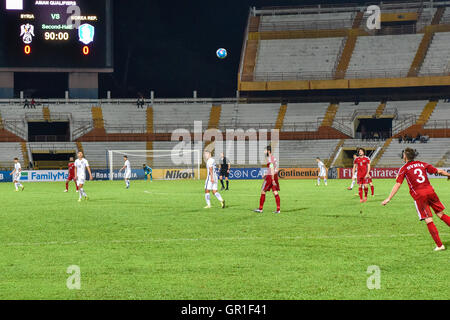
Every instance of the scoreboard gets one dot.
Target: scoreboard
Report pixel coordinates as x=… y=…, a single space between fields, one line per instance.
x=56 y=35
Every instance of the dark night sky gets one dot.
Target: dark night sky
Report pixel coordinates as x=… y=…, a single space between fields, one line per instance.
x=169 y=47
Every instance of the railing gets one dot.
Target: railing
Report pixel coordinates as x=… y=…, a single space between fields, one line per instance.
x=49 y=138
x=339 y=55
x=83 y=127
x=305 y=25
x=362 y=74
x=52 y=147
x=350 y=7
x=12 y=126
x=106 y=102
x=340 y=125
x=403 y=123
x=372 y=112
x=438 y=124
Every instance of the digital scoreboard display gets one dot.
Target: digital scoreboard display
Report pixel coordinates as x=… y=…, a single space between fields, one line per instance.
x=56 y=35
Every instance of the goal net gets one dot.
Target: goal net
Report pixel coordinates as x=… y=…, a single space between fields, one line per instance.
x=178 y=164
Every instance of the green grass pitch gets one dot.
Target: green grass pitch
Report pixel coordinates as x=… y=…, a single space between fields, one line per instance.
x=155 y=241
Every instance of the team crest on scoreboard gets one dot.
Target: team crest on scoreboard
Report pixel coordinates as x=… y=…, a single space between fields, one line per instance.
x=86 y=33
x=27 y=32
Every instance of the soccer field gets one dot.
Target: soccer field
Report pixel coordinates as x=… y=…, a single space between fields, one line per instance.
x=155 y=241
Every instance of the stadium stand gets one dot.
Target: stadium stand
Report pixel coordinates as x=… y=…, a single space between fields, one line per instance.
x=383 y=56
x=430 y=152
x=172 y=116
x=311 y=21
x=97 y=152
x=297 y=58
x=440 y=116
x=287 y=50
x=438 y=55
x=124 y=119
x=304 y=116
x=257 y=116
x=228 y=116
x=9 y=151
x=304 y=153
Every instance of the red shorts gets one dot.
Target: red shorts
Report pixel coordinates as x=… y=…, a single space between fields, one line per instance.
x=423 y=203
x=268 y=185
x=70 y=178
x=363 y=180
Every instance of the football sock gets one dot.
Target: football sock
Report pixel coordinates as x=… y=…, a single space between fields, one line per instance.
x=67 y=185
x=325 y=180
x=277 y=199
x=227 y=183
x=261 y=201
x=81 y=192
x=446 y=219
x=208 y=199
x=366 y=191
x=16 y=185
x=353 y=184
x=434 y=234
x=221 y=182
x=372 y=189
x=318 y=181
x=218 y=196
x=77 y=186
x=360 y=193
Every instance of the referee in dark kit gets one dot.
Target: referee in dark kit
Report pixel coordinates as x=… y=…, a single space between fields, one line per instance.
x=224 y=170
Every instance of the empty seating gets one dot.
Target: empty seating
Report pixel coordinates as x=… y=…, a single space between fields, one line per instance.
x=437 y=59
x=227 y=116
x=297 y=59
x=304 y=153
x=383 y=56
x=257 y=115
x=431 y=152
x=168 y=117
x=304 y=116
x=97 y=153
x=9 y=151
x=124 y=119
x=334 y=20
x=440 y=118
x=52 y=146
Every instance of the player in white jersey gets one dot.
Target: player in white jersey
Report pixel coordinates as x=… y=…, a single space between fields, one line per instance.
x=127 y=168
x=322 y=172
x=81 y=164
x=355 y=175
x=16 y=173
x=211 y=181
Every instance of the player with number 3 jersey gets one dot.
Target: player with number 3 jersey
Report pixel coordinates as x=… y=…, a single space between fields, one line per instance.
x=415 y=173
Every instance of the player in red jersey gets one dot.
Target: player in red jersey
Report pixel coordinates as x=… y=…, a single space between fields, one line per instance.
x=362 y=164
x=270 y=181
x=71 y=176
x=372 y=188
x=422 y=192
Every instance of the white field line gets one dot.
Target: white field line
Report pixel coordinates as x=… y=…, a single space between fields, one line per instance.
x=155 y=240
x=201 y=193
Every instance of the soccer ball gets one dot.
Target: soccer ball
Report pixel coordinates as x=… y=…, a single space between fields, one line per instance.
x=221 y=53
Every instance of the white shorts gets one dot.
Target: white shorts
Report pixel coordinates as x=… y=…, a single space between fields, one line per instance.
x=81 y=180
x=127 y=175
x=210 y=186
x=16 y=177
x=323 y=173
